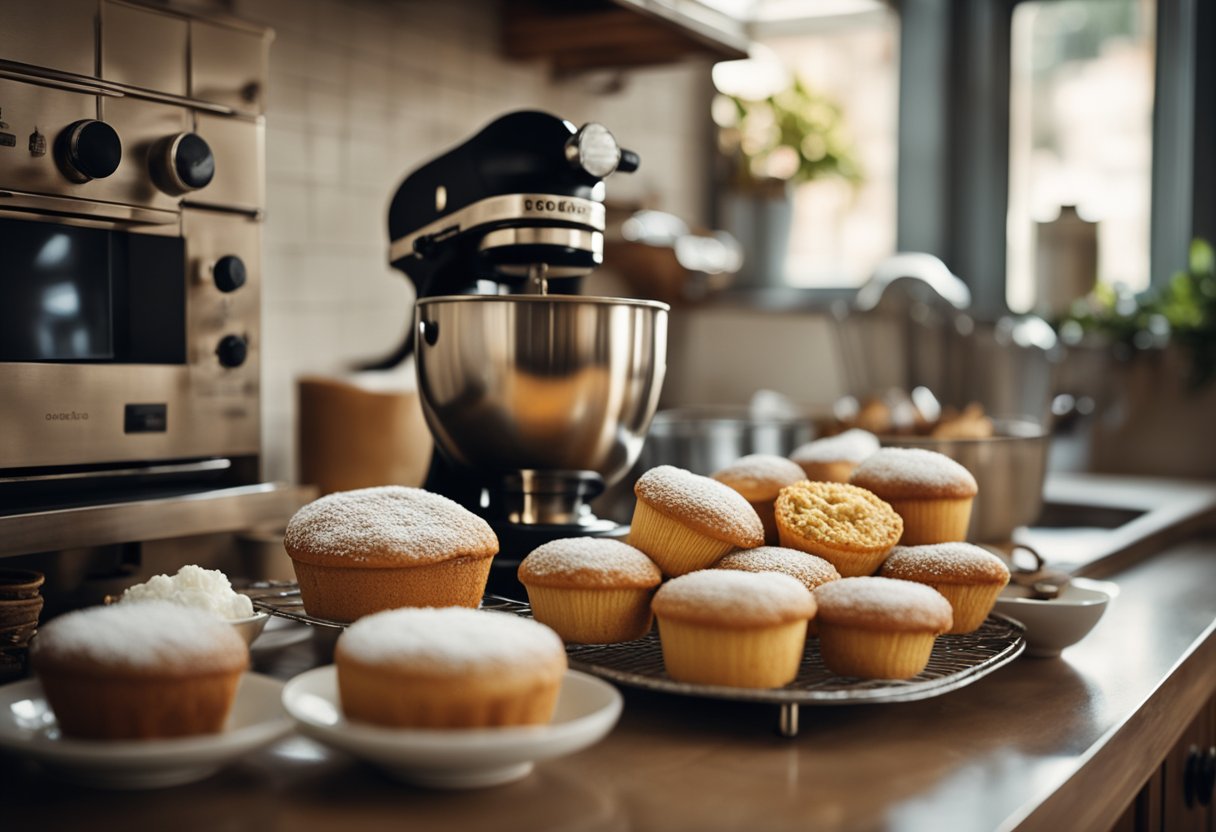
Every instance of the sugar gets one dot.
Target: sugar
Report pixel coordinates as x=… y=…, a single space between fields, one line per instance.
x=851 y=446
x=193 y=586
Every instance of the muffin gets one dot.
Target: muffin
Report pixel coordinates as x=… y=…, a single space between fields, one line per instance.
x=969 y=577
x=845 y=525
x=931 y=492
x=741 y=629
x=759 y=478
x=807 y=569
x=879 y=628
x=685 y=522
x=833 y=458
x=591 y=590
x=448 y=668
x=139 y=671
x=359 y=552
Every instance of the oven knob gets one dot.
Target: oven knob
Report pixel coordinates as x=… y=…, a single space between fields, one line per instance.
x=88 y=149
x=229 y=273
x=181 y=163
x=232 y=350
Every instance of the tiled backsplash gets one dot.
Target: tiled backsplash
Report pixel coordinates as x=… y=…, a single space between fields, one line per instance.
x=361 y=92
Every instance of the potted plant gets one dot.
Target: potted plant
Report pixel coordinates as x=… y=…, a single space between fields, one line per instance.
x=771 y=145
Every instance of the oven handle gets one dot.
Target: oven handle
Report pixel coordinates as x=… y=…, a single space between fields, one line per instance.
x=73 y=83
x=59 y=83
x=84 y=208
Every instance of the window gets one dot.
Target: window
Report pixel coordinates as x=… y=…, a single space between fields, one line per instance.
x=1080 y=137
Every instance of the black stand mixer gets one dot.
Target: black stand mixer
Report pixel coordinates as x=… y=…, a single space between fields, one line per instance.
x=538 y=398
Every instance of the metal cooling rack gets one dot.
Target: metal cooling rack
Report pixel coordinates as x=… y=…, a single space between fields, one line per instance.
x=956 y=661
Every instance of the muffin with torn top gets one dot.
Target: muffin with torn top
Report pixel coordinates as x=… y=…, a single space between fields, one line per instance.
x=843 y=524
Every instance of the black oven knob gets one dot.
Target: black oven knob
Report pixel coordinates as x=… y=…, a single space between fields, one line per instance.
x=88 y=149
x=232 y=350
x=182 y=163
x=229 y=273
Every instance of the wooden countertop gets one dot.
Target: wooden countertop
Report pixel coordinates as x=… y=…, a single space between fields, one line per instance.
x=1041 y=744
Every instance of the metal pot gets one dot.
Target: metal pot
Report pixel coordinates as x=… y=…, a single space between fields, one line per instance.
x=705 y=439
x=1009 y=469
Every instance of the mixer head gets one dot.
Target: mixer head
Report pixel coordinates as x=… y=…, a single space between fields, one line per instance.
x=518 y=204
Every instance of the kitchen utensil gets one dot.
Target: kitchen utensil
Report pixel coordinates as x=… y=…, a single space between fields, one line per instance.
x=707 y=438
x=1059 y=621
x=28 y=729
x=537 y=398
x=587 y=709
x=1009 y=468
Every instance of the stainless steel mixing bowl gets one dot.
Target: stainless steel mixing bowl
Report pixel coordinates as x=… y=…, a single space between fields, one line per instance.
x=541 y=382
x=1009 y=469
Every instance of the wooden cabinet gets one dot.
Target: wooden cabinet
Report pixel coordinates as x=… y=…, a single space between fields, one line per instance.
x=1178 y=797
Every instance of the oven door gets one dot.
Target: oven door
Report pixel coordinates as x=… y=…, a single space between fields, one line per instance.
x=107 y=343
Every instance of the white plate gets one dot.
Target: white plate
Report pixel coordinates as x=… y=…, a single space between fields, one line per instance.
x=28 y=728
x=587 y=709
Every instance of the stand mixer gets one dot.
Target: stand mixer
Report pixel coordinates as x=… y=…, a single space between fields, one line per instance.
x=537 y=398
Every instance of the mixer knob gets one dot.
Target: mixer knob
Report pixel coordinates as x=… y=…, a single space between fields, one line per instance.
x=182 y=163
x=594 y=151
x=229 y=273
x=88 y=149
x=232 y=350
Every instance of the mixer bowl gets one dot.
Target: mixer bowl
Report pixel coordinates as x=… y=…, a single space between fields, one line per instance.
x=540 y=382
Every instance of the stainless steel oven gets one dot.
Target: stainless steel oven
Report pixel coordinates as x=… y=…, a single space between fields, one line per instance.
x=131 y=197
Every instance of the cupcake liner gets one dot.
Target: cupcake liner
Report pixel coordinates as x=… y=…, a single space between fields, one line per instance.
x=873 y=654
x=755 y=657
x=971 y=603
x=933 y=520
x=593 y=616
x=676 y=548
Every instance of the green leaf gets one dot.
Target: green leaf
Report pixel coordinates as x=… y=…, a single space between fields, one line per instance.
x=1202 y=260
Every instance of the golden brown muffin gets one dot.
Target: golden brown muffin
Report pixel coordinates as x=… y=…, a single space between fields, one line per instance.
x=809 y=570
x=931 y=492
x=448 y=668
x=843 y=524
x=742 y=629
x=760 y=478
x=879 y=628
x=970 y=424
x=359 y=552
x=685 y=522
x=833 y=458
x=591 y=590
x=139 y=671
x=969 y=577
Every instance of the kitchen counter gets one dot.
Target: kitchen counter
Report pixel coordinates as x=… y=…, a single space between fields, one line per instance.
x=1040 y=744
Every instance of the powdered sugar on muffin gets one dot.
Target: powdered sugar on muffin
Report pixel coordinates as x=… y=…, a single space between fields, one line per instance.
x=945 y=562
x=914 y=473
x=707 y=505
x=391 y=524
x=760 y=476
x=734 y=599
x=589 y=562
x=853 y=445
x=883 y=603
x=808 y=569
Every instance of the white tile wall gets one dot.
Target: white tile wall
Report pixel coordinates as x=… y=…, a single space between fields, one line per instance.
x=361 y=92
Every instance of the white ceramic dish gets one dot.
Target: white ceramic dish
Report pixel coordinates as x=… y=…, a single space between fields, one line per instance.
x=251 y=627
x=587 y=709
x=1051 y=625
x=28 y=729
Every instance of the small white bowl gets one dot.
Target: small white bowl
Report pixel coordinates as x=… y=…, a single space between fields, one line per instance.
x=251 y=627
x=1056 y=623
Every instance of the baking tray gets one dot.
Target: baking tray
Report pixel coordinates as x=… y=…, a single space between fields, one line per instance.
x=956 y=661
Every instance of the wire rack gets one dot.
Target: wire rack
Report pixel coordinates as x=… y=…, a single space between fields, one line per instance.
x=956 y=661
